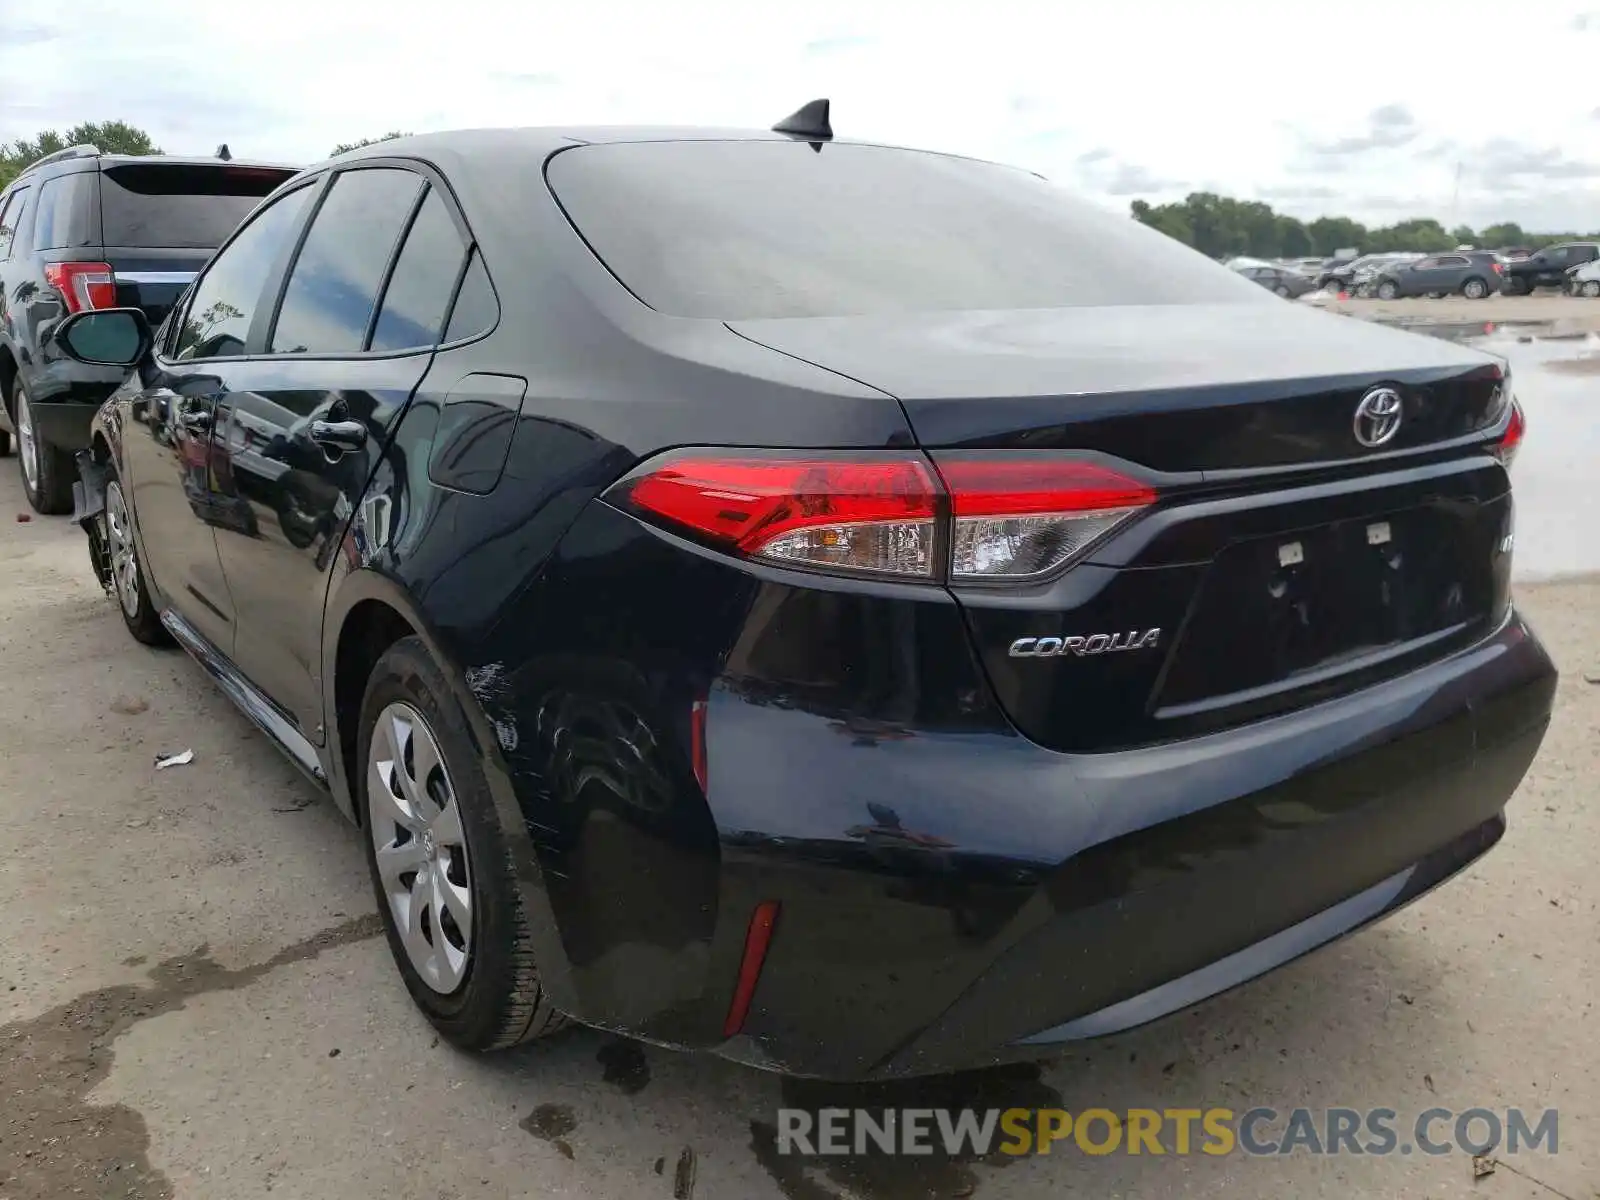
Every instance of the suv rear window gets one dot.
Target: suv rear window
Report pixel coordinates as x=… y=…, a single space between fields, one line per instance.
x=747 y=229
x=187 y=205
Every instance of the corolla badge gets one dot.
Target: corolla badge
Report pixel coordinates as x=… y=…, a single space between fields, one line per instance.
x=1378 y=416
x=1095 y=643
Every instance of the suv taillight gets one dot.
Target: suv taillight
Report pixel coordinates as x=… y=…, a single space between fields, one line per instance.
x=1001 y=517
x=1511 y=440
x=83 y=284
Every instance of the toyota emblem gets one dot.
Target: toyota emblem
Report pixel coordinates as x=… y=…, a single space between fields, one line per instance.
x=1378 y=417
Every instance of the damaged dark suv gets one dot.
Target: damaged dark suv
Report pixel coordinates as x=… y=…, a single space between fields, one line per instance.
x=858 y=611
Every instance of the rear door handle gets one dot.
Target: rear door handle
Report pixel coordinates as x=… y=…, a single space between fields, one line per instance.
x=346 y=437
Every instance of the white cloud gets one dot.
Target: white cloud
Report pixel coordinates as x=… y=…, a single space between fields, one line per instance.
x=1138 y=97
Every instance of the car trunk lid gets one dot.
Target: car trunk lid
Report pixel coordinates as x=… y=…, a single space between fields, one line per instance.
x=1283 y=562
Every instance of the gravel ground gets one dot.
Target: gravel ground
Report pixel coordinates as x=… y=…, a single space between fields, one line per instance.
x=196 y=1002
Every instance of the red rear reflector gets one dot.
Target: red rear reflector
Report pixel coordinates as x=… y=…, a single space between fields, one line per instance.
x=756 y=941
x=697 y=742
x=1510 y=441
x=1016 y=518
x=856 y=513
x=83 y=285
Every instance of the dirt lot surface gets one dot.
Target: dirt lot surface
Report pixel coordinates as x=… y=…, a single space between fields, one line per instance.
x=195 y=1001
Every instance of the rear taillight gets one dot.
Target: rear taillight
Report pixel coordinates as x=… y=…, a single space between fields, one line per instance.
x=858 y=513
x=1019 y=517
x=83 y=284
x=1001 y=517
x=1511 y=440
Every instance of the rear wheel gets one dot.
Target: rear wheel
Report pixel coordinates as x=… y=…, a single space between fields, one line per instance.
x=1387 y=290
x=1474 y=289
x=47 y=471
x=127 y=575
x=442 y=870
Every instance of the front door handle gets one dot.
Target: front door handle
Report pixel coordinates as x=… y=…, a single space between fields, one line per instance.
x=343 y=437
x=196 y=420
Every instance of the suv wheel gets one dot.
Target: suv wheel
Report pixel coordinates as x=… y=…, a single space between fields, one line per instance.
x=445 y=882
x=1387 y=290
x=47 y=472
x=127 y=576
x=1591 y=288
x=1474 y=289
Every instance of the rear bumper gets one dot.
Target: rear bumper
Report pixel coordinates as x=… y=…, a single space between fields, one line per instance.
x=984 y=899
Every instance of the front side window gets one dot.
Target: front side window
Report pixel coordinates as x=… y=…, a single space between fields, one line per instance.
x=333 y=286
x=229 y=295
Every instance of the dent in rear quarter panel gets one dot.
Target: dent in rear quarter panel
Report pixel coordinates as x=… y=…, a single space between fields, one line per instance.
x=652 y=882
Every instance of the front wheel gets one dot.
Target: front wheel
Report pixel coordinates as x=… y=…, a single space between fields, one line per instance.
x=127 y=575
x=1474 y=289
x=441 y=868
x=1281 y=290
x=47 y=471
x=1591 y=288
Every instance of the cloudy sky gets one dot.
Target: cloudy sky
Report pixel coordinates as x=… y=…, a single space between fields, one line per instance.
x=1370 y=109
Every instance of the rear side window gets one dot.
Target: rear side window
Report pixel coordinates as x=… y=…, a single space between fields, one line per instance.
x=230 y=294
x=10 y=215
x=418 y=293
x=193 y=206
x=64 y=215
x=333 y=286
x=476 y=309
x=745 y=229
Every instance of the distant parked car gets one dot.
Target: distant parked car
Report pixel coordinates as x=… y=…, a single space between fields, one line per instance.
x=1548 y=267
x=83 y=230
x=1345 y=276
x=1584 y=279
x=1473 y=273
x=1291 y=285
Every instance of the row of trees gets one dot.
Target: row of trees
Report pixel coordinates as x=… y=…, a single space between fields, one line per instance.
x=113 y=137
x=1222 y=227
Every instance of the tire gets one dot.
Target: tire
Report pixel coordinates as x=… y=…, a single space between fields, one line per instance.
x=491 y=998
x=1591 y=288
x=1387 y=290
x=47 y=471
x=1474 y=289
x=5 y=442
x=1281 y=291
x=127 y=572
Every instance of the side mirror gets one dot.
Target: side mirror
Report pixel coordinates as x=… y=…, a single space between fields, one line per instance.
x=106 y=337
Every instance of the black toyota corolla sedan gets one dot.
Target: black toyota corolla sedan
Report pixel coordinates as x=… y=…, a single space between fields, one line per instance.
x=856 y=610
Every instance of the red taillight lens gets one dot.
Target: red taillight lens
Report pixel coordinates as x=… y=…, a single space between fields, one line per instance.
x=1015 y=518
x=83 y=284
x=1510 y=441
x=858 y=513
x=1009 y=517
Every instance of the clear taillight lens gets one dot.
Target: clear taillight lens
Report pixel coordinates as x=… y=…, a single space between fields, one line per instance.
x=1015 y=518
x=865 y=513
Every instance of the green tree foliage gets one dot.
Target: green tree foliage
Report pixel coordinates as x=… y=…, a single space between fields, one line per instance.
x=346 y=147
x=113 y=137
x=1223 y=227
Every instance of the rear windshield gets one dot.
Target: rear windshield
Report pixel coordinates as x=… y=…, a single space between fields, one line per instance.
x=192 y=206
x=746 y=229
